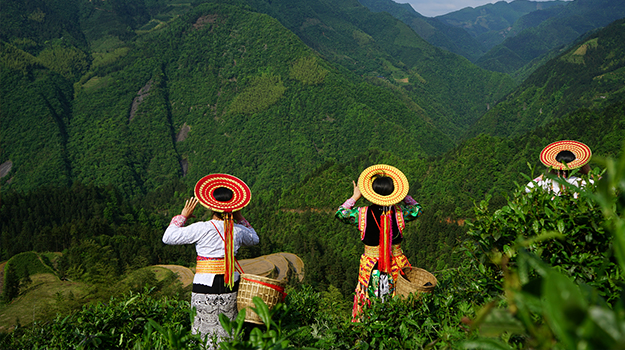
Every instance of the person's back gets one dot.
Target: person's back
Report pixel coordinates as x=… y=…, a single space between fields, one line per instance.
x=216 y=279
x=561 y=158
x=380 y=225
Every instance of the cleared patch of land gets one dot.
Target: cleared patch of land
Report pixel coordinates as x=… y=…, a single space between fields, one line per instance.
x=279 y=266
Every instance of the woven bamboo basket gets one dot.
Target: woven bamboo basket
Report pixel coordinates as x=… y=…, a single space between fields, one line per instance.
x=414 y=281
x=270 y=290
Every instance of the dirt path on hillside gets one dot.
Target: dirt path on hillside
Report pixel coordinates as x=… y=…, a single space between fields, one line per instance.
x=185 y=275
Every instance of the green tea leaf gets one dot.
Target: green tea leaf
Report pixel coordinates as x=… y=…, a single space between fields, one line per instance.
x=484 y=344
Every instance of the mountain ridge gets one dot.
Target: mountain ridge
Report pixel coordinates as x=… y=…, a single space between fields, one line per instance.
x=588 y=75
x=571 y=22
x=264 y=97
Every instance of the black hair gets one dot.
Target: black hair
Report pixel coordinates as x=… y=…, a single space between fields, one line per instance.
x=565 y=156
x=223 y=194
x=383 y=185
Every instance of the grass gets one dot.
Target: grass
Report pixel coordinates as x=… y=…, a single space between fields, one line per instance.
x=95 y=83
x=31 y=262
x=185 y=275
x=40 y=300
x=46 y=295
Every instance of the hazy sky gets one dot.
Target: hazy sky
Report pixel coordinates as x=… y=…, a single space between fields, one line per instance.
x=433 y=8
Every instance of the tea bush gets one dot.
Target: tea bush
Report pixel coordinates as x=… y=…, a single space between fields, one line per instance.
x=567 y=232
x=543 y=272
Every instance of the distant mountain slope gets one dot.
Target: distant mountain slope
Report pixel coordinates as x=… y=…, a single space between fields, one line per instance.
x=220 y=89
x=591 y=75
x=570 y=22
x=437 y=33
x=35 y=21
x=467 y=173
x=36 y=106
x=491 y=24
x=452 y=91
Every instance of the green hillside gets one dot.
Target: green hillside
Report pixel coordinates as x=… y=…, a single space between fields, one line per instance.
x=434 y=31
x=511 y=37
x=557 y=31
x=36 y=104
x=588 y=75
x=541 y=271
x=103 y=137
x=217 y=89
x=491 y=24
x=32 y=23
x=452 y=91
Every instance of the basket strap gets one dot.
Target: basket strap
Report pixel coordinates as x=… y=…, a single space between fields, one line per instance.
x=272 y=286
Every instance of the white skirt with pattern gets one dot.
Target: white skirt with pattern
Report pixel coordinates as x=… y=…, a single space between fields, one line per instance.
x=208 y=307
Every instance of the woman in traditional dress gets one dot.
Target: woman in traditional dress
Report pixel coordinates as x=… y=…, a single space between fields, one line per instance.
x=381 y=226
x=560 y=158
x=217 y=241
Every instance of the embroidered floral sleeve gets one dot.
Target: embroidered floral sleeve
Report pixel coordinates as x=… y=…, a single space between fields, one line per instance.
x=178 y=221
x=410 y=208
x=347 y=213
x=176 y=233
x=245 y=223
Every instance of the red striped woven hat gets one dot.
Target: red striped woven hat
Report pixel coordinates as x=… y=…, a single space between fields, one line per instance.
x=400 y=182
x=205 y=188
x=581 y=152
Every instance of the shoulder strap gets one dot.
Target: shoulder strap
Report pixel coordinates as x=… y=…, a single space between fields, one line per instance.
x=362 y=221
x=399 y=216
x=223 y=240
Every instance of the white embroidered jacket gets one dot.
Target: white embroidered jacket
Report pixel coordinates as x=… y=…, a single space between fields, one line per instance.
x=549 y=185
x=208 y=242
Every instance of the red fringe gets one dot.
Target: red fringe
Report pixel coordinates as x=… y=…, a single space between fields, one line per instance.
x=229 y=253
x=386 y=232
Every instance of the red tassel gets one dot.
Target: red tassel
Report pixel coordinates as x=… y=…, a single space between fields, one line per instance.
x=386 y=232
x=229 y=253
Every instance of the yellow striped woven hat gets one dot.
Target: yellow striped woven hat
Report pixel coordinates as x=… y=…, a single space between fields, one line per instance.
x=400 y=182
x=206 y=186
x=581 y=151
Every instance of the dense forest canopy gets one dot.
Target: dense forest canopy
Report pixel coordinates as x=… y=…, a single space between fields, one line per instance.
x=452 y=91
x=217 y=89
x=550 y=30
x=514 y=37
x=471 y=31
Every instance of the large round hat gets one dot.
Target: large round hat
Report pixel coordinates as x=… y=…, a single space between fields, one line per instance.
x=581 y=152
x=205 y=189
x=365 y=184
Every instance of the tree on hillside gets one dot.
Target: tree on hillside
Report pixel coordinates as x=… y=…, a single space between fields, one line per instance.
x=25 y=281
x=11 y=283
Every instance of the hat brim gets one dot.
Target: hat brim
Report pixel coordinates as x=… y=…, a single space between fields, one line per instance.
x=581 y=151
x=400 y=182
x=204 y=189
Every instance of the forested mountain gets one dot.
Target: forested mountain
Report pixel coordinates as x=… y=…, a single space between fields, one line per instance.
x=549 y=30
x=491 y=24
x=452 y=38
x=452 y=91
x=218 y=89
x=169 y=92
x=591 y=74
x=511 y=37
x=152 y=100
x=471 y=32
